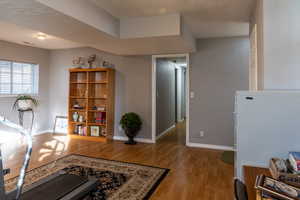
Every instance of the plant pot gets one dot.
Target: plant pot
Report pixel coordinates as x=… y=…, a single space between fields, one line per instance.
x=25 y=104
x=131 y=135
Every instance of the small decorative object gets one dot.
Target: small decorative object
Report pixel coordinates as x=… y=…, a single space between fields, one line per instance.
x=95 y=131
x=80 y=118
x=91 y=59
x=103 y=132
x=131 y=124
x=101 y=108
x=77 y=106
x=25 y=102
x=60 y=124
x=78 y=62
x=276 y=189
x=80 y=130
x=107 y=64
x=75 y=116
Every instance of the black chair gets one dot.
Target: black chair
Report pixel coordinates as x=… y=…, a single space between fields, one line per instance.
x=240 y=190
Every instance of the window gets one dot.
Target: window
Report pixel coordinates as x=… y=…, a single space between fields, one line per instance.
x=18 y=78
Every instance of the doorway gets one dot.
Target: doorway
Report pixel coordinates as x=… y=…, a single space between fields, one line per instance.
x=170 y=100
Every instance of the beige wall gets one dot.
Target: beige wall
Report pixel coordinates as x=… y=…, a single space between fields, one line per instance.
x=15 y=52
x=133 y=85
x=219 y=68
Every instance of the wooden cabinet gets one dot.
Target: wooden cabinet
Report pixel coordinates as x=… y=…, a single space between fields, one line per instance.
x=91 y=104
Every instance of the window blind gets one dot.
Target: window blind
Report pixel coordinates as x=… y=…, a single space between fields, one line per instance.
x=18 y=78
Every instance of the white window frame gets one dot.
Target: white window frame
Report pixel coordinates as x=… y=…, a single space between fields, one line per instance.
x=35 y=78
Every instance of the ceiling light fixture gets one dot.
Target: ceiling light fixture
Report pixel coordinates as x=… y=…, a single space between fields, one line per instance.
x=41 y=36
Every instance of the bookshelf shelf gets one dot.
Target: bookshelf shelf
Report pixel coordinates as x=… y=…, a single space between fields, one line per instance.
x=96 y=124
x=97 y=111
x=90 y=90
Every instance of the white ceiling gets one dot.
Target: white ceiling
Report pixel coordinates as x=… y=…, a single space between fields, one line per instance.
x=205 y=18
x=17 y=34
x=85 y=24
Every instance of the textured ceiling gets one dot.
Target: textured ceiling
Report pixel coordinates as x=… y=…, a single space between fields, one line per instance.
x=205 y=18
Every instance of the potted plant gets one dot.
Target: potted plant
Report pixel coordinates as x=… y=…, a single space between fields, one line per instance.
x=25 y=102
x=131 y=123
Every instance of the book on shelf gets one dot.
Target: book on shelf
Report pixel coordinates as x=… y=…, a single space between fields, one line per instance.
x=80 y=130
x=95 y=131
x=294 y=158
x=101 y=118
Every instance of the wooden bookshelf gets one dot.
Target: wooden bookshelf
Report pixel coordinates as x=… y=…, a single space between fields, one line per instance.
x=91 y=96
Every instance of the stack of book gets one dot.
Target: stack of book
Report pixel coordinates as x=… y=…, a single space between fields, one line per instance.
x=80 y=130
x=101 y=118
x=294 y=159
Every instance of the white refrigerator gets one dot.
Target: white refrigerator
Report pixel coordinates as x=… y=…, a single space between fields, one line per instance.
x=267 y=124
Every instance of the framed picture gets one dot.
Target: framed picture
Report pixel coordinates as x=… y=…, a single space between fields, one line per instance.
x=95 y=131
x=276 y=189
x=60 y=125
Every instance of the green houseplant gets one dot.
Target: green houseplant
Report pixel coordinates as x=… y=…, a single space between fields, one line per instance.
x=25 y=102
x=131 y=123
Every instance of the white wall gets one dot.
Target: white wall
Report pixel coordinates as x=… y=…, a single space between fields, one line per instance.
x=278 y=44
x=281 y=44
x=15 y=52
x=155 y=26
x=88 y=13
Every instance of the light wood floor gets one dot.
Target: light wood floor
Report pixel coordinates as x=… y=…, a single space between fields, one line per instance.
x=195 y=173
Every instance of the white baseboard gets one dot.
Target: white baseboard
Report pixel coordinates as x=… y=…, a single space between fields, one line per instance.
x=142 y=140
x=165 y=132
x=42 y=132
x=210 y=146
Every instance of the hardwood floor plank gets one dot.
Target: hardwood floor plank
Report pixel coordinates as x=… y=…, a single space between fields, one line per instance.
x=195 y=173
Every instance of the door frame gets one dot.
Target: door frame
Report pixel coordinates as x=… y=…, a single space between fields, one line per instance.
x=187 y=85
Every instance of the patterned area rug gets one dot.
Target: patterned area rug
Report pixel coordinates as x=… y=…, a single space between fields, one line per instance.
x=118 y=180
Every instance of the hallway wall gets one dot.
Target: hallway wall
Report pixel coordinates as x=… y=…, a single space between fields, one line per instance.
x=165 y=98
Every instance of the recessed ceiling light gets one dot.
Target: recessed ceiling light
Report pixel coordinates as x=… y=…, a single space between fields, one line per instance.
x=41 y=36
x=162 y=11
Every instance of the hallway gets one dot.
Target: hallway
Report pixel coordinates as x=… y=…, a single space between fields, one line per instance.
x=176 y=136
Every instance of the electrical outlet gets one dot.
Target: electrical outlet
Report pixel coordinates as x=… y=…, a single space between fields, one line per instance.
x=120 y=128
x=201 y=133
x=192 y=95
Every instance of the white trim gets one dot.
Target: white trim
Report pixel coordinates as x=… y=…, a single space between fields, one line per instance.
x=210 y=146
x=154 y=57
x=142 y=140
x=165 y=132
x=42 y=132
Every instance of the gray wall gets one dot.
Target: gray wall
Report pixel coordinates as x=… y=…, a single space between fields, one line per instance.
x=133 y=85
x=218 y=69
x=15 y=52
x=165 y=98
